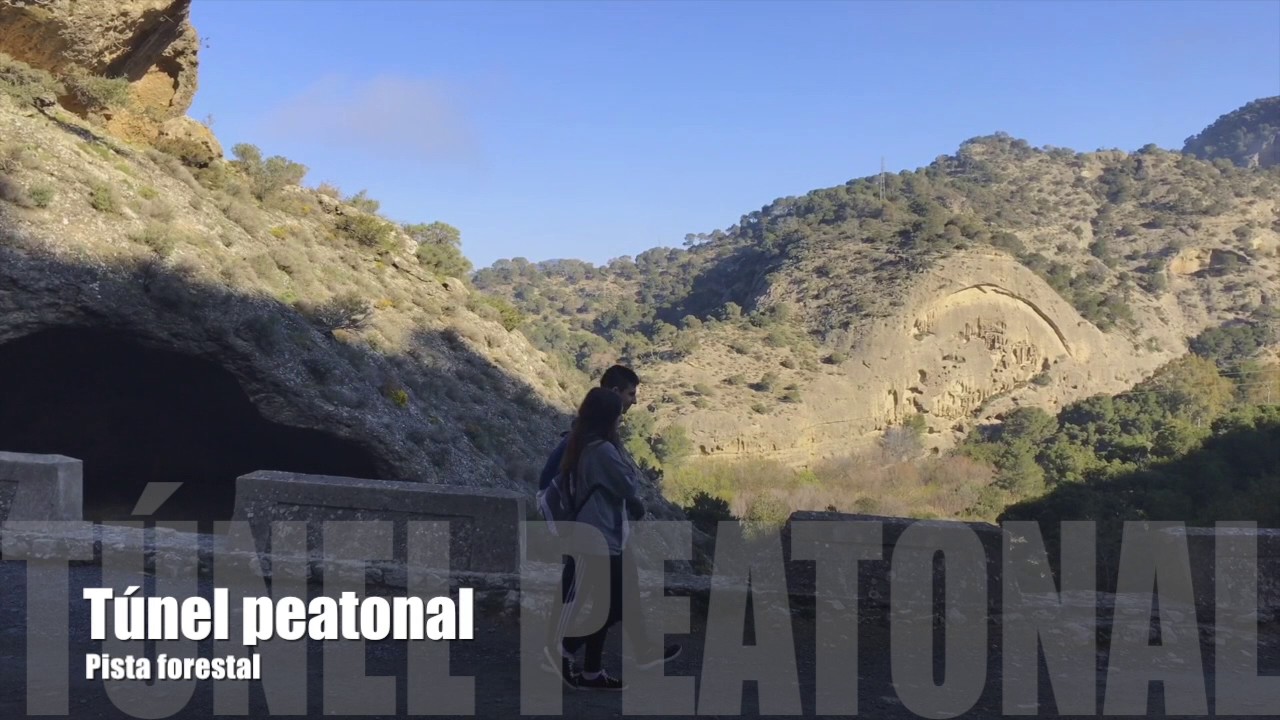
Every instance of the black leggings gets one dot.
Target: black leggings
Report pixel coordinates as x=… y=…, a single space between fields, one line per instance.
x=600 y=588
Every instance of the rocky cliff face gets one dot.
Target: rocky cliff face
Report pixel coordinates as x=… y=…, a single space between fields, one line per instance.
x=972 y=337
x=151 y=43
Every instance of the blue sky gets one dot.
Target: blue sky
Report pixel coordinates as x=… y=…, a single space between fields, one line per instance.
x=593 y=130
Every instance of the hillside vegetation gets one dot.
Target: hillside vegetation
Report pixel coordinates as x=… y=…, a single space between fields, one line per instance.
x=1163 y=252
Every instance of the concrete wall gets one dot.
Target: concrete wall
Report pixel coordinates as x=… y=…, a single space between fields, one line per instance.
x=40 y=487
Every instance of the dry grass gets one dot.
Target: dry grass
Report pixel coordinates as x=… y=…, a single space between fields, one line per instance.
x=769 y=491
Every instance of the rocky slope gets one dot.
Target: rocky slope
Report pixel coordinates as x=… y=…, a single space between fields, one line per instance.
x=129 y=241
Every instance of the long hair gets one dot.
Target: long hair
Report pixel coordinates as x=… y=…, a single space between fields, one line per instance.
x=597 y=420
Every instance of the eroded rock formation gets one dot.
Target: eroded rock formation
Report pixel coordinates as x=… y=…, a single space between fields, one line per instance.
x=150 y=42
x=971 y=337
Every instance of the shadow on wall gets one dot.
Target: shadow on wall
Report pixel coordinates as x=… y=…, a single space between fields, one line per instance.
x=148 y=376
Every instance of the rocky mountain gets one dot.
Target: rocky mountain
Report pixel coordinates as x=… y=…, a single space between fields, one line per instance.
x=1248 y=136
x=1000 y=276
x=170 y=313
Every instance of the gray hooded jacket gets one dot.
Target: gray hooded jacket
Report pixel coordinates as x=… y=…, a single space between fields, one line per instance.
x=605 y=467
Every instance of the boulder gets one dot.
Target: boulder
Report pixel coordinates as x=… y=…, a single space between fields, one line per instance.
x=151 y=43
x=190 y=141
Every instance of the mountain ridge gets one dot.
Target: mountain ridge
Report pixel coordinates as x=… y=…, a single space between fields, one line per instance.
x=1137 y=244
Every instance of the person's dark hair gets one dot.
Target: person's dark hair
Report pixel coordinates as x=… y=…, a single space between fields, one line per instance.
x=597 y=420
x=619 y=376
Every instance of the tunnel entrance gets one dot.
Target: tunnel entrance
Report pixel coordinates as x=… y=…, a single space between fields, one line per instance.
x=135 y=414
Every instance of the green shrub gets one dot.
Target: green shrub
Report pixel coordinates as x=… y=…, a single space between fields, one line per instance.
x=1231 y=343
x=217 y=176
x=158 y=237
x=361 y=201
x=507 y=314
x=103 y=198
x=777 y=337
x=13 y=157
x=366 y=230
x=672 y=445
x=41 y=195
x=96 y=93
x=269 y=176
x=156 y=209
x=766 y=513
x=396 y=394
x=443 y=260
x=346 y=311
x=24 y=83
x=916 y=424
x=766 y=382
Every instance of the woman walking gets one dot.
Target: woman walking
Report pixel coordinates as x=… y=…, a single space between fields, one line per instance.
x=604 y=486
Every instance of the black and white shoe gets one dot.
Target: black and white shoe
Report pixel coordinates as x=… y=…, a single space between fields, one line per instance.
x=600 y=682
x=671 y=652
x=566 y=668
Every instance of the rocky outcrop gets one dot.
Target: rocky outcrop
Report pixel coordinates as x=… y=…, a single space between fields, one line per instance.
x=1264 y=153
x=968 y=339
x=189 y=141
x=149 y=42
x=1248 y=136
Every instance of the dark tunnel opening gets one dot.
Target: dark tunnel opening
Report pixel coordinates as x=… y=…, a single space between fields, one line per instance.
x=135 y=414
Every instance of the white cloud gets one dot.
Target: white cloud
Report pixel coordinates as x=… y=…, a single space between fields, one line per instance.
x=388 y=117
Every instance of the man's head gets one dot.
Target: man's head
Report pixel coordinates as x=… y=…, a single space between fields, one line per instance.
x=624 y=381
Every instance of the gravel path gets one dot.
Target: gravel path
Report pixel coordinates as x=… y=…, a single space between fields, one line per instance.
x=493 y=660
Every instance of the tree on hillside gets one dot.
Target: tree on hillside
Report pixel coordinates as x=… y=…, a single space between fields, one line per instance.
x=1192 y=389
x=672 y=445
x=440 y=248
x=266 y=177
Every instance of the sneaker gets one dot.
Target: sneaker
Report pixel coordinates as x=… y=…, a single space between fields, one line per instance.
x=600 y=682
x=671 y=652
x=567 y=669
